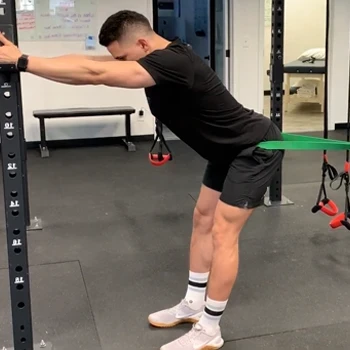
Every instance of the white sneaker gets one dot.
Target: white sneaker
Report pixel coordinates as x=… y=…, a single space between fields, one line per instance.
x=181 y=313
x=197 y=339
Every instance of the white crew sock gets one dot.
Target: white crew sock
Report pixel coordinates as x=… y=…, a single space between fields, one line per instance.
x=196 y=289
x=212 y=314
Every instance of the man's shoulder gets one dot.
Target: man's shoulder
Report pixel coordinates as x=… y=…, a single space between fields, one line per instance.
x=178 y=44
x=175 y=56
x=175 y=50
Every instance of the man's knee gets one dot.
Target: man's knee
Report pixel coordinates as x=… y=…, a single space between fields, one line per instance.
x=203 y=215
x=223 y=234
x=228 y=222
x=203 y=219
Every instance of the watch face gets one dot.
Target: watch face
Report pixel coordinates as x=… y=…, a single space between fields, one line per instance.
x=22 y=63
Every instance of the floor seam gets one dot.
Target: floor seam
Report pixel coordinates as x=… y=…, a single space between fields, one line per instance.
x=90 y=304
x=46 y=263
x=258 y=336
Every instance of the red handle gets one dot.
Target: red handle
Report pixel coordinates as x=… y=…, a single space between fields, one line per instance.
x=337 y=221
x=157 y=160
x=329 y=207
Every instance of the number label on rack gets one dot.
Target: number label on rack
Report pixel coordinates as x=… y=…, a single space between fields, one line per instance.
x=11 y=166
x=16 y=243
x=9 y=126
x=14 y=204
x=19 y=280
x=5 y=85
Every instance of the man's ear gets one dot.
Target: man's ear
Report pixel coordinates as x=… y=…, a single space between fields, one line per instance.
x=144 y=44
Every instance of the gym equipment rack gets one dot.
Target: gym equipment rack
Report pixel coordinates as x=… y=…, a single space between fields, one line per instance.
x=275 y=197
x=15 y=187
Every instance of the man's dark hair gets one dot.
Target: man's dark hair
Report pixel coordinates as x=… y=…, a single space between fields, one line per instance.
x=117 y=25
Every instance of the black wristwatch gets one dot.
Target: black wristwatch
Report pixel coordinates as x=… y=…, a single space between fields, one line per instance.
x=22 y=63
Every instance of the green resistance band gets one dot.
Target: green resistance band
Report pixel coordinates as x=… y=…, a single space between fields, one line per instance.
x=305 y=143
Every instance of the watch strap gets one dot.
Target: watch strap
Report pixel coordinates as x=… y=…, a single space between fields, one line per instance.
x=22 y=63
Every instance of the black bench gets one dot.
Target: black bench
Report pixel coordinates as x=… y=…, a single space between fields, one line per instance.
x=83 y=112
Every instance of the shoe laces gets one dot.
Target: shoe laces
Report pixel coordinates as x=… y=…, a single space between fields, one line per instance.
x=189 y=338
x=177 y=307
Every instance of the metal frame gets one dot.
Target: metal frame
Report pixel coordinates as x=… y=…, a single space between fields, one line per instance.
x=13 y=167
x=127 y=139
x=275 y=197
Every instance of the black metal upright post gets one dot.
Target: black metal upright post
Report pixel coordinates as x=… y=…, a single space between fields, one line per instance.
x=276 y=197
x=35 y=223
x=11 y=123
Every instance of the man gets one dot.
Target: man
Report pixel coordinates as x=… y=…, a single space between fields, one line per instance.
x=187 y=96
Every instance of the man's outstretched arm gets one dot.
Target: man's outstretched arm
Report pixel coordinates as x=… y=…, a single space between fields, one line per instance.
x=75 y=70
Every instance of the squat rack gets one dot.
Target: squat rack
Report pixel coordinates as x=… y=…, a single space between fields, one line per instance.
x=15 y=188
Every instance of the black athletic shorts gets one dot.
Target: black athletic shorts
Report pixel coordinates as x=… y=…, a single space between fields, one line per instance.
x=244 y=182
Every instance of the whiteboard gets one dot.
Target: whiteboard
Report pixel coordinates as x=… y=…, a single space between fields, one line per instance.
x=56 y=20
x=268 y=12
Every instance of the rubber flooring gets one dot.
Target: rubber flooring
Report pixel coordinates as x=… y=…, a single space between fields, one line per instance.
x=114 y=248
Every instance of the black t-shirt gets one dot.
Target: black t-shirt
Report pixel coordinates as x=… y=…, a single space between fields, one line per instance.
x=194 y=104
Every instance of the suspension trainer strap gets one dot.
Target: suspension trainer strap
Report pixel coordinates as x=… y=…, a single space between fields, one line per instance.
x=323 y=203
x=159 y=158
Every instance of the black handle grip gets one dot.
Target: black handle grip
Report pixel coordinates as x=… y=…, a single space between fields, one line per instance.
x=316 y=208
x=346 y=224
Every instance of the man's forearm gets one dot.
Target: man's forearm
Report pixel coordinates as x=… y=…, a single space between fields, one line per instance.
x=70 y=69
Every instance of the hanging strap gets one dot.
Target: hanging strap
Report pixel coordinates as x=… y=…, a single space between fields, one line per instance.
x=343 y=218
x=323 y=203
x=159 y=158
x=295 y=142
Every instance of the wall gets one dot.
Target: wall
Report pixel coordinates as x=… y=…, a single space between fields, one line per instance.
x=42 y=94
x=247 y=43
x=305 y=25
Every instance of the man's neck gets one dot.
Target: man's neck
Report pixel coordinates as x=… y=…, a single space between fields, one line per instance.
x=159 y=43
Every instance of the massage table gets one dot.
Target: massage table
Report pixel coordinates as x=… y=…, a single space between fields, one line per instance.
x=306 y=70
